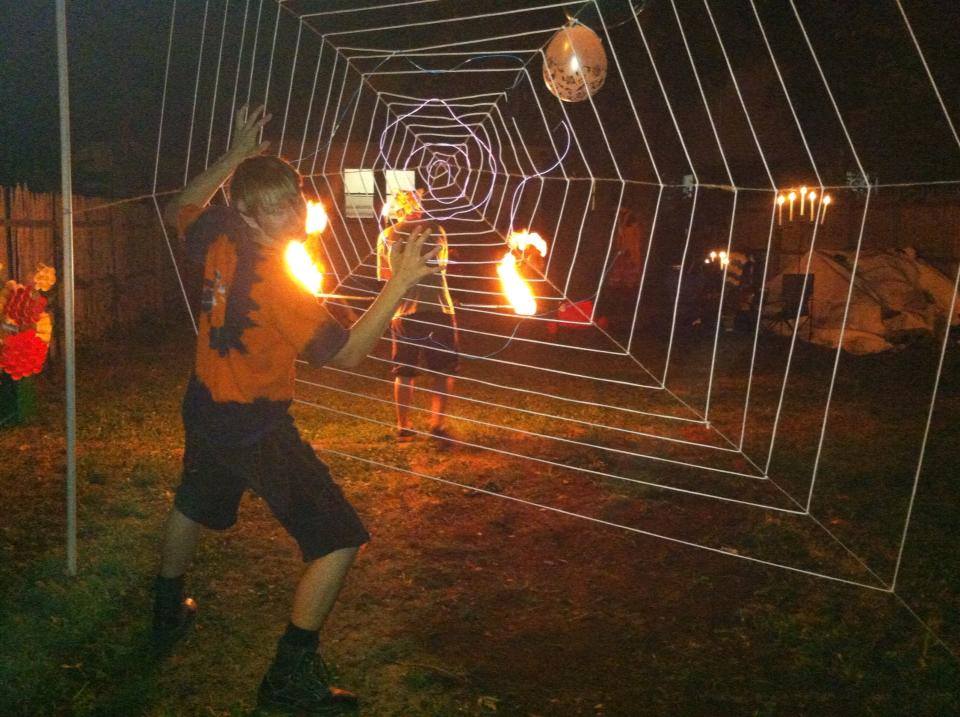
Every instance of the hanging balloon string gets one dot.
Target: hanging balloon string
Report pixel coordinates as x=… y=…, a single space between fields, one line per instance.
x=464 y=62
x=515 y=200
x=635 y=9
x=456 y=67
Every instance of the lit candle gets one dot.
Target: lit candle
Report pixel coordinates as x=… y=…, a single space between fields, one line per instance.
x=824 y=203
x=803 y=196
x=813 y=199
x=780 y=201
x=792 y=197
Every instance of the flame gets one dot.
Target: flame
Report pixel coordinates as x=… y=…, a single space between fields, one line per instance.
x=316 y=218
x=517 y=291
x=389 y=207
x=515 y=288
x=403 y=205
x=524 y=239
x=302 y=267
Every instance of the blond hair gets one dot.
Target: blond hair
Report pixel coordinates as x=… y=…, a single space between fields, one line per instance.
x=259 y=183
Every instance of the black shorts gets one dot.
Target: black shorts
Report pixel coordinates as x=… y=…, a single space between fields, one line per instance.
x=286 y=473
x=427 y=339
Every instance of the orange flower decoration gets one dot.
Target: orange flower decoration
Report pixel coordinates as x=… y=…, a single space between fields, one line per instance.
x=44 y=327
x=45 y=277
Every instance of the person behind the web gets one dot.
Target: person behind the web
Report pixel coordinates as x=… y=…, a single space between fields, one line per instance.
x=424 y=334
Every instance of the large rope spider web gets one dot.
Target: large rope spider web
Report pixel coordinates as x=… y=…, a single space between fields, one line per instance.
x=457 y=97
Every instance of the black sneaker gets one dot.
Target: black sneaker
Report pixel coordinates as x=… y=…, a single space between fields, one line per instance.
x=298 y=681
x=172 y=623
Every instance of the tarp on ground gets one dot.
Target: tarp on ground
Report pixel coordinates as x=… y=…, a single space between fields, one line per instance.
x=896 y=297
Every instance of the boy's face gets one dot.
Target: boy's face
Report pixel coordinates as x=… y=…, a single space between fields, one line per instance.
x=283 y=221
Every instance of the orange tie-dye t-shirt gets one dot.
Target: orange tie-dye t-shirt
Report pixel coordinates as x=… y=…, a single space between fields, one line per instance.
x=253 y=322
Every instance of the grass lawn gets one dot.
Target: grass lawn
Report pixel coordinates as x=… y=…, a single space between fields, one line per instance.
x=468 y=604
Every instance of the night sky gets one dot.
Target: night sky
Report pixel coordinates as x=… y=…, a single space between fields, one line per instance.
x=118 y=50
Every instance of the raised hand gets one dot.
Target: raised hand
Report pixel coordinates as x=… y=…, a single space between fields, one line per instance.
x=408 y=262
x=246 y=142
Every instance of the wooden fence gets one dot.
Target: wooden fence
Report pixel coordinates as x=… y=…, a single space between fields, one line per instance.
x=122 y=267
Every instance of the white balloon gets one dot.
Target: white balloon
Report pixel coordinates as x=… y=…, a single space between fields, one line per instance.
x=575 y=65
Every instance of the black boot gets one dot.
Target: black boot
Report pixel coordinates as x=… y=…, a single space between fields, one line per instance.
x=298 y=681
x=173 y=614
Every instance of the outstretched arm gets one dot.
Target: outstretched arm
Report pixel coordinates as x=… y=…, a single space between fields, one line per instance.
x=409 y=266
x=383 y=254
x=200 y=190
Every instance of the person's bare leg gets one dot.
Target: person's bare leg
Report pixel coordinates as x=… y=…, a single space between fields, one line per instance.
x=442 y=387
x=179 y=544
x=318 y=588
x=298 y=680
x=172 y=612
x=403 y=395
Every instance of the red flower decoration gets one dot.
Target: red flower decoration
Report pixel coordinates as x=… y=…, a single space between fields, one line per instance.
x=22 y=354
x=24 y=306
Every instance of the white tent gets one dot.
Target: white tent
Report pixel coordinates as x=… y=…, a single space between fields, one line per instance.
x=895 y=295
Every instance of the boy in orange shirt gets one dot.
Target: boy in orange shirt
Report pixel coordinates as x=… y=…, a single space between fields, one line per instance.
x=254 y=321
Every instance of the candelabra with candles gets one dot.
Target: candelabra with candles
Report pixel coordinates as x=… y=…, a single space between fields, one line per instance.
x=808 y=204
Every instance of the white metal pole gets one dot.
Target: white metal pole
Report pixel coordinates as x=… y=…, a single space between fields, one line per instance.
x=66 y=185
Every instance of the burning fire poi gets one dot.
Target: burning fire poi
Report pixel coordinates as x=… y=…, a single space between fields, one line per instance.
x=299 y=261
x=316 y=218
x=302 y=268
x=515 y=287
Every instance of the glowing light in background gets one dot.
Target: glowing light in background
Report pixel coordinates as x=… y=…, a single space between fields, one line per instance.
x=719 y=256
x=825 y=202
